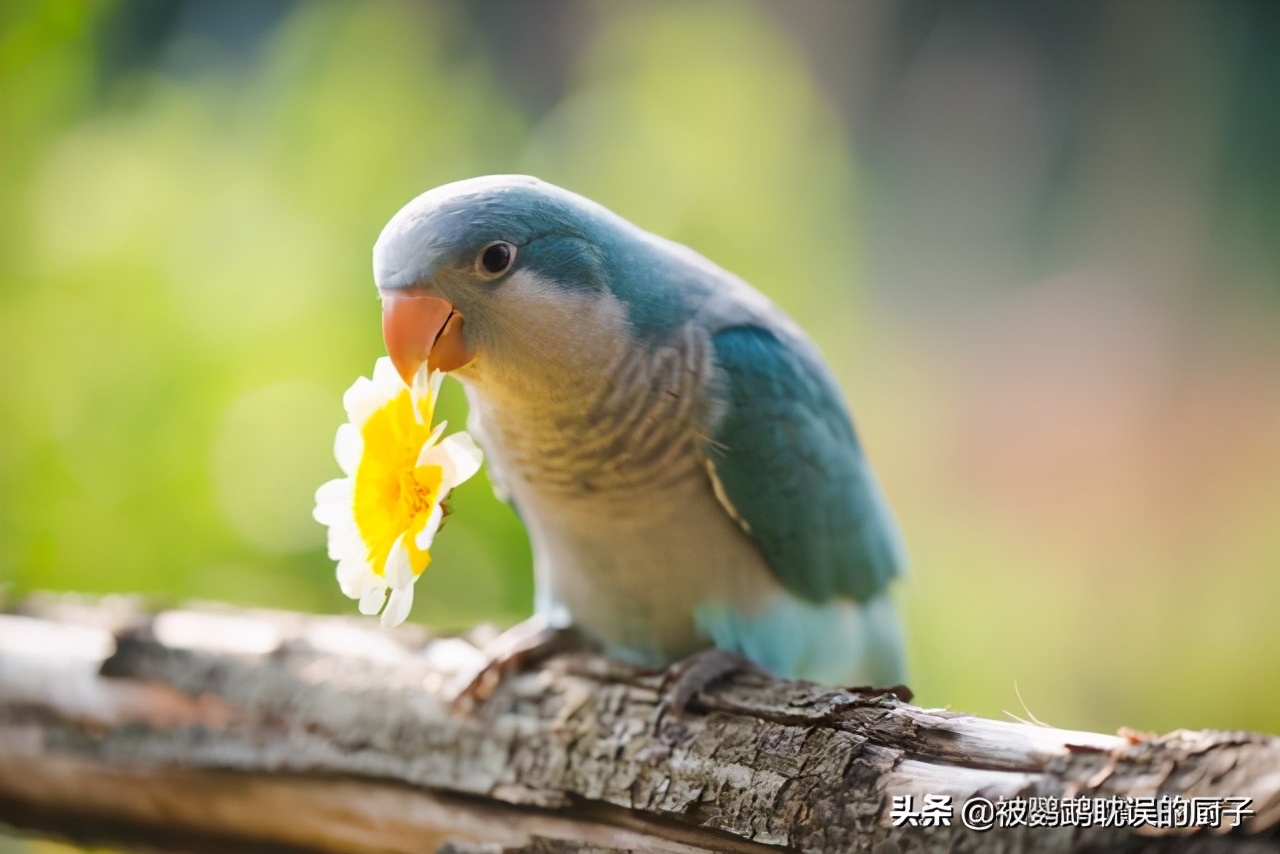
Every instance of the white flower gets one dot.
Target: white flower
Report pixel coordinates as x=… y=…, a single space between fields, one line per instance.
x=384 y=514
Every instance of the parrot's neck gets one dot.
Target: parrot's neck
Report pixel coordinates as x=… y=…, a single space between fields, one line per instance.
x=596 y=415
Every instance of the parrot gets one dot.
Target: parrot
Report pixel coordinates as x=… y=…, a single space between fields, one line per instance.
x=676 y=447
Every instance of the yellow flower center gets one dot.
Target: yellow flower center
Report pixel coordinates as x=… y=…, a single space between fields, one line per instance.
x=393 y=496
x=418 y=489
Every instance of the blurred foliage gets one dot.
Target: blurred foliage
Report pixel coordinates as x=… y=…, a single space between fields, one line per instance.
x=188 y=285
x=185 y=292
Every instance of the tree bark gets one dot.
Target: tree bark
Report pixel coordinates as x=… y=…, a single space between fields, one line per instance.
x=213 y=728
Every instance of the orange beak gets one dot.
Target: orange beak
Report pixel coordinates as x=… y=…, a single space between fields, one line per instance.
x=417 y=328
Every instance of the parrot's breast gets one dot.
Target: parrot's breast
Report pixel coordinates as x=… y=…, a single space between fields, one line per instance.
x=610 y=436
x=609 y=475
x=637 y=581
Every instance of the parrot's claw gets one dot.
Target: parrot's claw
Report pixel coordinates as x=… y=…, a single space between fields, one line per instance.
x=516 y=649
x=688 y=677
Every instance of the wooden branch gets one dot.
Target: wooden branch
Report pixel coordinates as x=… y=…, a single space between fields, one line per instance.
x=214 y=729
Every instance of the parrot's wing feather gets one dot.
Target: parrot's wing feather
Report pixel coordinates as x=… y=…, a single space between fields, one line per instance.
x=784 y=459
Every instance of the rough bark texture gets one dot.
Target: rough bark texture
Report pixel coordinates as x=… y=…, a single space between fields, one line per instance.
x=216 y=729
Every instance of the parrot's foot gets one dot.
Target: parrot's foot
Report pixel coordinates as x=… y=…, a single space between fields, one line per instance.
x=687 y=678
x=519 y=647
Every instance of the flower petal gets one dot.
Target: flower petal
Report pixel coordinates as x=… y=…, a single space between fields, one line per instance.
x=347 y=447
x=420 y=394
x=362 y=400
x=344 y=540
x=398 y=606
x=428 y=445
x=428 y=532
x=386 y=379
x=355 y=577
x=333 y=497
x=458 y=455
x=372 y=600
x=399 y=571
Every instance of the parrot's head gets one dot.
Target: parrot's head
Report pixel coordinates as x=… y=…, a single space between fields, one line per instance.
x=491 y=275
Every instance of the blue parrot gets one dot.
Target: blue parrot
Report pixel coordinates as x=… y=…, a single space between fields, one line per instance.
x=675 y=445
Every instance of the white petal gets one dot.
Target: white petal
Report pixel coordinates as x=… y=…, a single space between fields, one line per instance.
x=331 y=497
x=420 y=389
x=434 y=382
x=399 y=572
x=465 y=454
x=331 y=513
x=347 y=447
x=428 y=445
x=458 y=455
x=372 y=600
x=386 y=379
x=355 y=577
x=398 y=606
x=428 y=532
x=344 y=541
x=362 y=400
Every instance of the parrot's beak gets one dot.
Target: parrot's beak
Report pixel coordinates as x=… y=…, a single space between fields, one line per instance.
x=417 y=328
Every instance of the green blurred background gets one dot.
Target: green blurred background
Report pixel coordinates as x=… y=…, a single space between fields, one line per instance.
x=1038 y=242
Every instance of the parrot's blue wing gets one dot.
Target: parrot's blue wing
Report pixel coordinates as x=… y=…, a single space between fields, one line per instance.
x=789 y=465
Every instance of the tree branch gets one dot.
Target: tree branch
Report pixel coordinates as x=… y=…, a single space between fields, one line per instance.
x=205 y=728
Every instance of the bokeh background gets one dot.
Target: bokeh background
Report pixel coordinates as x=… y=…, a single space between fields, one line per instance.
x=1038 y=242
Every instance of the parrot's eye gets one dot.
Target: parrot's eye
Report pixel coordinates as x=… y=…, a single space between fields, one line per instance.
x=496 y=258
